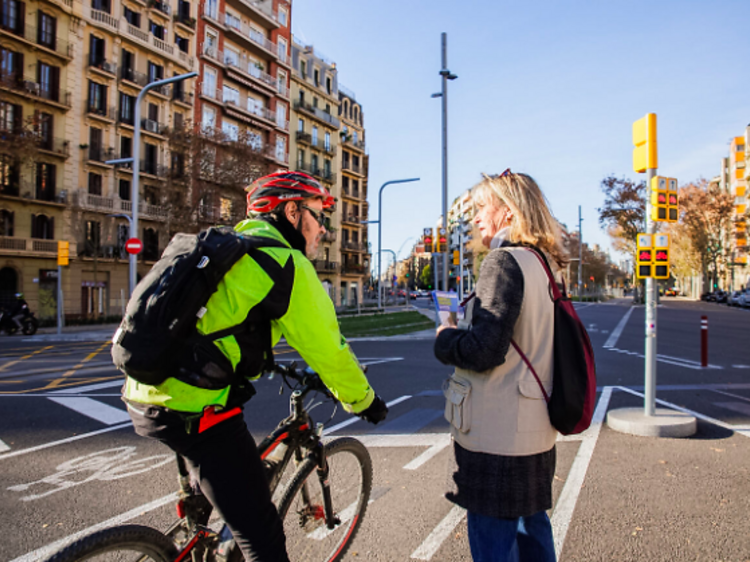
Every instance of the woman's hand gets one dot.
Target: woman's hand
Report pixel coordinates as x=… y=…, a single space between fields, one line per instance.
x=443 y=327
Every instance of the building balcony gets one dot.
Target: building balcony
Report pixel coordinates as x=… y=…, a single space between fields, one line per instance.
x=249 y=34
x=351 y=192
x=354 y=246
x=162 y=7
x=56 y=146
x=273 y=154
x=186 y=20
x=31 y=247
x=323 y=266
x=154 y=127
x=348 y=141
x=351 y=167
x=215 y=215
x=318 y=114
x=155 y=169
x=37 y=38
x=353 y=269
x=329 y=236
x=106 y=204
x=109 y=69
x=31 y=89
x=103 y=19
x=303 y=137
x=181 y=96
x=249 y=74
x=149 y=41
x=351 y=220
x=105 y=113
x=268 y=19
x=98 y=154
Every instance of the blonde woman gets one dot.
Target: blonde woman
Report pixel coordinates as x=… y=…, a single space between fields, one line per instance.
x=504 y=445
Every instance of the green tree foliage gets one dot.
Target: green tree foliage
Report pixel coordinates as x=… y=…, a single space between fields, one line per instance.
x=425 y=279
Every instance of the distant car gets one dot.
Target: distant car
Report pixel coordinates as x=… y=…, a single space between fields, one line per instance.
x=721 y=296
x=744 y=299
x=672 y=292
x=734 y=298
x=413 y=295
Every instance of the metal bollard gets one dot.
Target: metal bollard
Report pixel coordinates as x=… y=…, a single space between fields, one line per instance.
x=704 y=341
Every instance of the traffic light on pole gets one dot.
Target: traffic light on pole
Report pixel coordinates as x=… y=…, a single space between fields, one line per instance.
x=455 y=257
x=664 y=199
x=644 y=140
x=442 y=243
x=661 y=256
x=645 y=256
x=427 y=240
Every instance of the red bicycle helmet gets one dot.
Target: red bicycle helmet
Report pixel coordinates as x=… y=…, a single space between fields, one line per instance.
x=266 y=193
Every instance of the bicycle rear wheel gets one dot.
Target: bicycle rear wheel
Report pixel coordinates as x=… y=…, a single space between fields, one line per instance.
x=128 y=543
x=302 y=509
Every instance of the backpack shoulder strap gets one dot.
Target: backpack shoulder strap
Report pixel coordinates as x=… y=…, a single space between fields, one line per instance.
x=552 y=282
x=531 y=367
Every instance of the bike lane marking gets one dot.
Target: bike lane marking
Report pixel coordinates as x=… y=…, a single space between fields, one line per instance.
x=615 y=335
x=45 y=551
x=11 y=363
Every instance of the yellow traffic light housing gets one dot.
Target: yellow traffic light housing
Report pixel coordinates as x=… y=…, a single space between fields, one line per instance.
x=661 y=256
x=644 y=141
x=442 y=242
x=664 y=199
x=63 y=252
x=456 y=257
x=645 y=256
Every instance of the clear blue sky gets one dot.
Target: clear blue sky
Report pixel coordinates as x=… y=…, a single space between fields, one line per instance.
x=550 y=88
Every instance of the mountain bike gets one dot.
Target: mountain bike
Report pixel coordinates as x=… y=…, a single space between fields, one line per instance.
x=322 y=501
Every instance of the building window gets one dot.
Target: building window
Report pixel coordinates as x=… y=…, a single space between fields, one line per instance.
x=127 y=62
x=183 y=43
x=281 y=149
x=300 y=125
x=212 y=9
x=149 y=165
x=225 y=208
x=6 y=223
x=102 y=5
x=126 y=149
x=303 y=68
x=316 y=77
x=314 y=164
x=11 y=118
x=354 y=137
x=46 y=130
x=46 y=174
x=328 y=141
x=42 y=227
x=209 y=82
x=95 y=184
x=97 y=51
x=231 y=95
x=93 y=237
x=155 y=72
x=133 y=18
x=231 y=57
x=300 y=159
x=281 y=114
x=47 y=30
x=127 y=109
x=327 y=168
x=124 y=190
x=150 y=244
x=12 y=16
x=95 y=144
x=282 y=49
x=97 y=98
x=9 y=176
x=156 y=29
x=328 y=84
x=48 y=78
x=281 y=82
x=315 y=135
x=231 y=130
x=208 y=120
x=283 y=17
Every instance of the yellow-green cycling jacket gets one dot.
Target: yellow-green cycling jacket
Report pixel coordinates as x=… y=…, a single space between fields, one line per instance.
x=304 y=314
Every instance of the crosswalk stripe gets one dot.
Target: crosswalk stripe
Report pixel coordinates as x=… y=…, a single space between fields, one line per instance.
x=432 y=543
x=94 y=409
x=3 y=446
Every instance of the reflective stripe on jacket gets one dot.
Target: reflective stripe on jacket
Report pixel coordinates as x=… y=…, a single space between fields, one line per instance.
x=304 y=314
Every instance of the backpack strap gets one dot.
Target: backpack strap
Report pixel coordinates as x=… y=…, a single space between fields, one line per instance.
x=531 y=367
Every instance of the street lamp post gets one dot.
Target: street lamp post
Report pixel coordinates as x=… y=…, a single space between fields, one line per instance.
x=380 y=229
x=136 y=166
x=446 y=75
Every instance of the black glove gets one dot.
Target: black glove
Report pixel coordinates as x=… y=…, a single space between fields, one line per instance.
x=376 y=412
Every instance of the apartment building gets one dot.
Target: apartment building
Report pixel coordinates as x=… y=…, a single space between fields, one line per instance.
x=244 y=59
x=355 y=250
x=314 y=148
x=739 y=173
x=37 y=95
x=460 y=216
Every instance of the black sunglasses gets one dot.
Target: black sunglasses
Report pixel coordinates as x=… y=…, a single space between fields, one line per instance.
x=319 y=216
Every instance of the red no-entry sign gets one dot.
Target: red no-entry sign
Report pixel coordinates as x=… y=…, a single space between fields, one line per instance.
x=133 y=246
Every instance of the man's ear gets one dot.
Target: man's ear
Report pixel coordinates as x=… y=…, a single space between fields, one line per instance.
x=291 y=212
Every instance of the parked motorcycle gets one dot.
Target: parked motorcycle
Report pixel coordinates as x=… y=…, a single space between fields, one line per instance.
x=29 y=323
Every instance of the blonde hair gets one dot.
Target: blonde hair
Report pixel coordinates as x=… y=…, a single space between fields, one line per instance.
x=532 y=222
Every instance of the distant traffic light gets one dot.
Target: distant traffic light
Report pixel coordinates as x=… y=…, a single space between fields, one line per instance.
x=664 y=199
x=427 y=240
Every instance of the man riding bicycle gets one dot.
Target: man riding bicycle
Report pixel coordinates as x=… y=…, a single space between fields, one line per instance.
x=202 y=421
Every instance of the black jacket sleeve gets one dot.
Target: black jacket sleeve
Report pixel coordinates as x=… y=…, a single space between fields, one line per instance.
x=499 y=295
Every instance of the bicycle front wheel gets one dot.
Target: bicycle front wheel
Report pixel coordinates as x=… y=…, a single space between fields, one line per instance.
x=128 y=543
x=302 y=507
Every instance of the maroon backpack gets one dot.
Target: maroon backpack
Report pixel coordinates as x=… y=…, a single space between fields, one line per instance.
x=571 y=405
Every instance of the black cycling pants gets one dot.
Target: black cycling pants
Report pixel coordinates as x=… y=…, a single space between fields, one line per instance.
x=225 y=462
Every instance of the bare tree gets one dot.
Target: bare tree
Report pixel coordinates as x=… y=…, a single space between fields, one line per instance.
x=624 y=211
x=208 y=174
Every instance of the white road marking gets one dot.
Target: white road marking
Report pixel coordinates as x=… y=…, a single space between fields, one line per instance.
x=432 y=543
x=378 y=361
x=3 y=446
x=88 y=387
x=64 y=441
x=730 y=395
x=566 y=503
x=612 y=340
x=435 y=442
x=355 y=419
x=740 y=366
x=45 y=551
x=94 y=409
x=739 y=407
x=677 y=361
x=742 y=430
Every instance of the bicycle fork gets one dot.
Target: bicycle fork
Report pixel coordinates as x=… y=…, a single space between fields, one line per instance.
x=331 y=519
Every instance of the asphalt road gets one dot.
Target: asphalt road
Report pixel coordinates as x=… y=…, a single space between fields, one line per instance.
x=69 y=460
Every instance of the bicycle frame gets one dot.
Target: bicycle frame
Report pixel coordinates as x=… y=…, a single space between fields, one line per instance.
x=301 y=441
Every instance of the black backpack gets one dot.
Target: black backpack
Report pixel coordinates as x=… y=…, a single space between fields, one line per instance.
x=160 y=320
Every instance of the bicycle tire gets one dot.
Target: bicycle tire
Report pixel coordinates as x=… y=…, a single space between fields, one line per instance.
x=319 y=543
x=148 y=542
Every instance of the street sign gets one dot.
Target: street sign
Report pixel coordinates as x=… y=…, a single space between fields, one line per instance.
x=63 y=252
x=644 y=140
x=133 y=246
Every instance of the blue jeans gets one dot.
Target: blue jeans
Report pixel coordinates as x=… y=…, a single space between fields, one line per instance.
x=526 y=539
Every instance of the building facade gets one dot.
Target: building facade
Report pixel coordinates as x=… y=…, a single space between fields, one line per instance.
x=738 y=178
